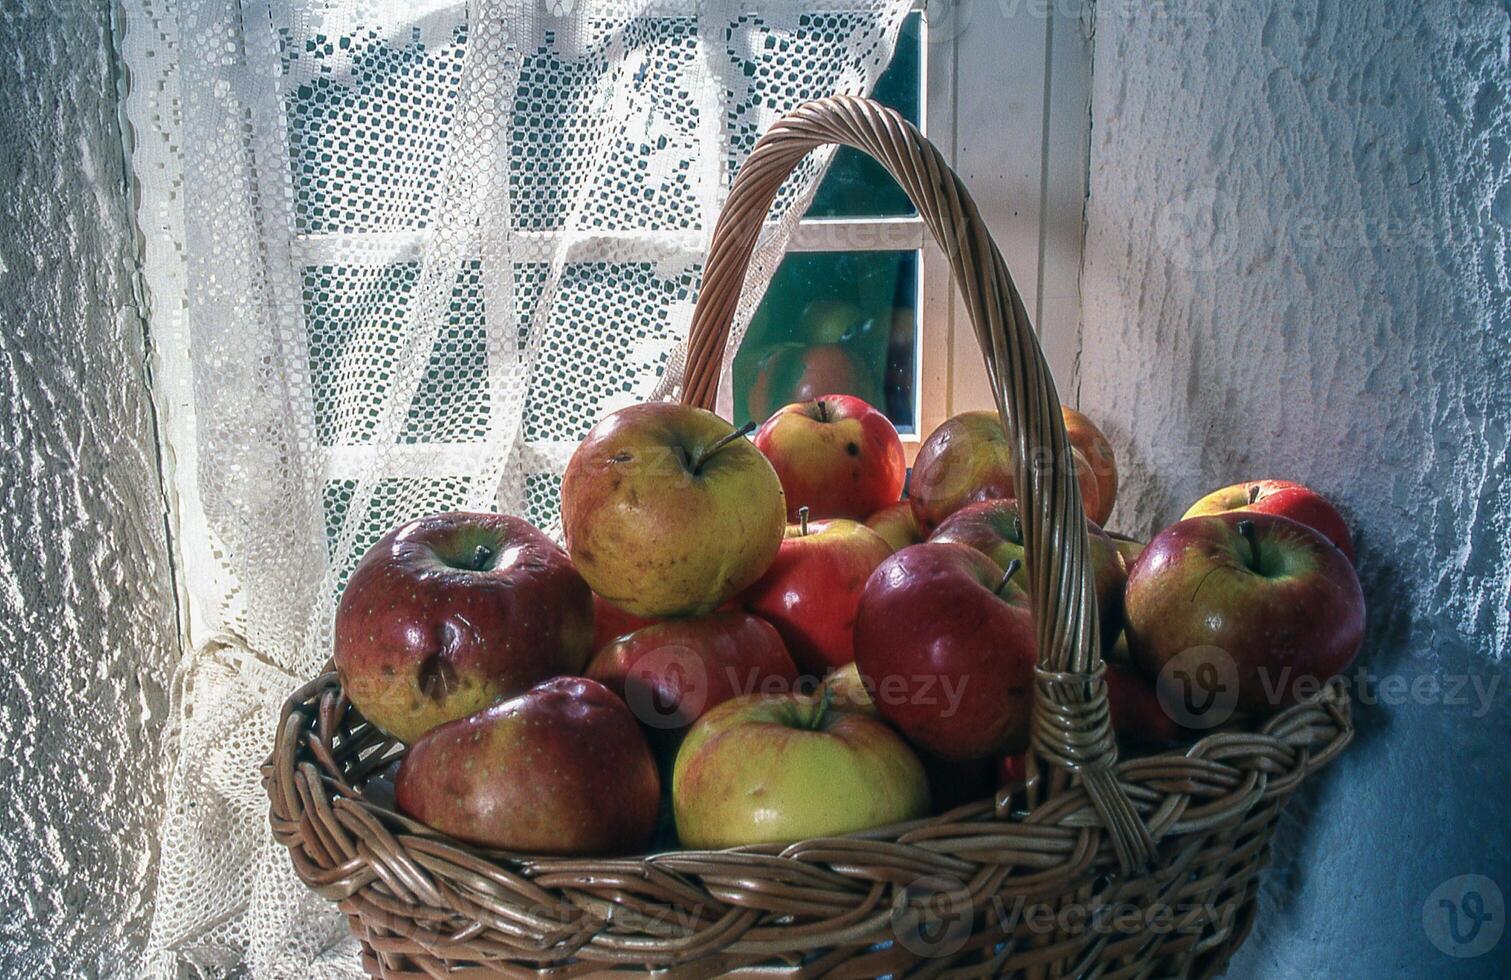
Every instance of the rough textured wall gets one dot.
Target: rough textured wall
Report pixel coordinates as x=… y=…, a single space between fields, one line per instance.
x=87 y=627
x=1296 y=265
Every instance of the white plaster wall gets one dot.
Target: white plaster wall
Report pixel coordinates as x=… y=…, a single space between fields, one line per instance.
x=1296 y=264
x=87 y=631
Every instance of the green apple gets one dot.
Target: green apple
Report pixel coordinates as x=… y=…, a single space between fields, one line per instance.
x=764 y=769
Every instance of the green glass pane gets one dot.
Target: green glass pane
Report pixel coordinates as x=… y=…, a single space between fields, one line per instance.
x=832 y=323
x=855 y=184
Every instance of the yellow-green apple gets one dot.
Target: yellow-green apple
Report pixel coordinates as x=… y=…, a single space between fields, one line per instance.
x=969 y=458
x=1259 y=599
x=765 y=769
x=828 y=321
x=992 y=527
x=1088 y=439
x=560 y=769
x=448 y=613
x=1138 y=716
x=1281 y=497
x=800 y=372
x=945 y=642
x=671 y=673
x=1129 y=548
x=849 y=690
x=812 y=588
x=835 y=455
x=668 y=510
x=897 y=525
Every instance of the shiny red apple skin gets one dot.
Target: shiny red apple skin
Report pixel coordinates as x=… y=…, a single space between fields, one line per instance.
x=674 y=672
x=969 y=458
x=811 y=591
x=424 y=636
x=560 y=769
x=932 y=630
x=897 y=525
x=1284 y=498
x=1137 y=714
x=1093 y=445
x=610 y=622
x=835 y=455
x=1291 y=621
x=992 y=527
x=658 y=533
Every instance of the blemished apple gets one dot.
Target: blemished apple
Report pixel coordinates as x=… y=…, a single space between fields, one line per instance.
x=811 y=591
x=770 y=769
x=669 y=510
x=897 y=525
x=1268 y=601
x=448 y=613
x=969 y=458
x=800 y=372
x=945 y=641
x=1281 y=497
x=672 y=673
x=993 y=528
x=1088 y=439
x=835 y=455
x=560 y=769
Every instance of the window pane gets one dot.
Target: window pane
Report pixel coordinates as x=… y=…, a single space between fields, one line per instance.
x=832 y=323
x=856 y=184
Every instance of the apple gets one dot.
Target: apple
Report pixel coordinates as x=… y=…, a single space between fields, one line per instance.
x=835 y=455
x=897 y=525
x=559 y=769
x=969 y=458
x=668 y=510
x=1129 y=548
x=1138 y=716
x=992 y=527
x=448 y=613
x=1089 y=441
x=764 y=769
x=849 y=690
x=1259 y=599
x=1281 y=497
x=829 y=321
x=610 y=622
x=800 y=372
x=671 y=673
x=945 y=641
x=811 y=590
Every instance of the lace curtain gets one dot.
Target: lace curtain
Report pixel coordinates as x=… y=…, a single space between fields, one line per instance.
x=398 y=256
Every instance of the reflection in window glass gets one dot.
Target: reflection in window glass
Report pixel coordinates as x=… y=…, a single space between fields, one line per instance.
x=832 y=323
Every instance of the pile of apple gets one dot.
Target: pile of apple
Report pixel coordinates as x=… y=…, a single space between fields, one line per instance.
x=769 y=631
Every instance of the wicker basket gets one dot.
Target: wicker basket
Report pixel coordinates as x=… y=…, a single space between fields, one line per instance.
x=1088 y=867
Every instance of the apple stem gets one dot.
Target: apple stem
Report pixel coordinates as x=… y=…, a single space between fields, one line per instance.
x=739 y=433
x=1008 y=573
x=1253 y=492
x=1246 y=528
x=481 y=557
x=823 y=410
x=802 y=521
x=825 y=699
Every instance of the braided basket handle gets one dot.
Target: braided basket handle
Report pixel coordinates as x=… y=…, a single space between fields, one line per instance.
x=1071 y=728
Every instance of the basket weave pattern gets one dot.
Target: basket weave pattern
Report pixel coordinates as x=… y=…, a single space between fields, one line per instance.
x=1090 y=866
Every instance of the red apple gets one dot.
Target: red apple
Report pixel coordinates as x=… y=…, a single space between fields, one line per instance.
x=799 y=372
x=668 y=511
x=671 y=673
x=610 y=622
x=1281 y=497
x=811 y=590
x=448 y=613
x=1088 y=439
x=768 y=769
x=835 y=455
x=560 y=769
x=992 y=527
x=969 y=458
x=897 y=525
x=1138 y=716
x=946 y=644
x=1263 y=603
